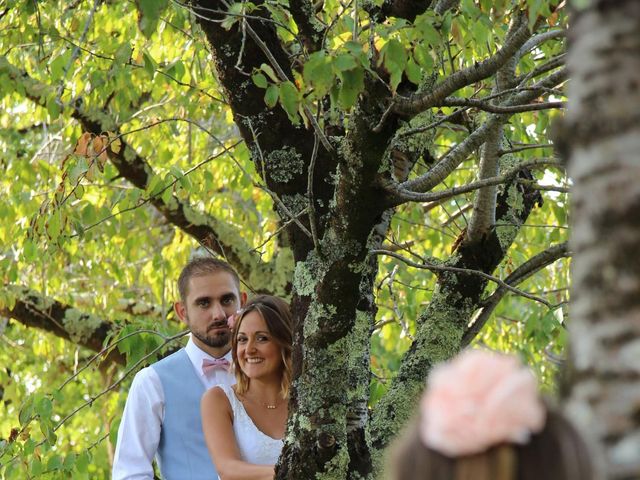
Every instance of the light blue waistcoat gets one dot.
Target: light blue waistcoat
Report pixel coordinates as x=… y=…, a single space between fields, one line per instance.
x=182 y=452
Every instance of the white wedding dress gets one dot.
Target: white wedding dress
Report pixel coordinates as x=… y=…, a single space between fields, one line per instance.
x=255 y=446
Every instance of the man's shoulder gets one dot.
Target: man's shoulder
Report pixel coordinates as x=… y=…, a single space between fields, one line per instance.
x=175 y=358
x=145 y=376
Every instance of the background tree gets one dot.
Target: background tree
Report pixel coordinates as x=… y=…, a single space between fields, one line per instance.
x=601 y=135
x=379 y=163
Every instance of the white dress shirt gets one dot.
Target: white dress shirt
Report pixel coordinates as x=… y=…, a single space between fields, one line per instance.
x=139 y=432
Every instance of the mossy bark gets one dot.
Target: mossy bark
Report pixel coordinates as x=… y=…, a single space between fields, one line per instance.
x=443 y=323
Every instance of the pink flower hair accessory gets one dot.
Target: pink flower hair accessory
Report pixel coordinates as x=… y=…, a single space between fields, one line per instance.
x=233 y=318
x=478 y=400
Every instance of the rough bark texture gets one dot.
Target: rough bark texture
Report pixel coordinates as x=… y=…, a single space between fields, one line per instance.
x=603 y=138
x=281 y=150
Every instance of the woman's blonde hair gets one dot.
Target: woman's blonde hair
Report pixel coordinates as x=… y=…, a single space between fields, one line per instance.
x=275 y=313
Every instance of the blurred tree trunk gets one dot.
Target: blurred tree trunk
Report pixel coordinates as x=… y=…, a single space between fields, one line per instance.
x=602 y=136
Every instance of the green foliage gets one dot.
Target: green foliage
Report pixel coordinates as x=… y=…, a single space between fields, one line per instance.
x=149 y=12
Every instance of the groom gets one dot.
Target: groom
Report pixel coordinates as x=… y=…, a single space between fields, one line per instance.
x=162 y=415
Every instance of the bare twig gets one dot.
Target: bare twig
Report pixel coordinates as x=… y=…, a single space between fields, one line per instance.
x=115 y=384
x=311 y=209
x=524 y=271
x=464 y=271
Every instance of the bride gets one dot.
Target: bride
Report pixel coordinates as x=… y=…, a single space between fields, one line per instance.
x=244 y=424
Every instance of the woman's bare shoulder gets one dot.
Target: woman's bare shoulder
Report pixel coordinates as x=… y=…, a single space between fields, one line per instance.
x=216 y=396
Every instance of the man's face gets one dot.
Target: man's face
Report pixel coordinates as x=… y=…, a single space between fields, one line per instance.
x=211 y=299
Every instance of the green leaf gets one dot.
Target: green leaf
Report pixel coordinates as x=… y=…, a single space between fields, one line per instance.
x=345 y=62
x=269 y=71
x=352 y=85
x=58 y=64
x=428 y=32
x=53 y=107
x=235 y=15
x=176 y=70
x=54 y=463
x=47 y=430
x=149 y=12
x=154 y=186
x=44 y=407
x=82 y=462
x=318 y=72
x=79 y=166
x=469 y=8
x=69 y=462
x=271 y=95
x=54 y=225
x=354 y=47
x=149 y=63
x=58 y=396
x=414 y=73
x=560 y=213
x=395 y=60
x=423 y=58
x=123 y=53
x=289 y=100
x=29 y=250
x=78 y=192
x=260 y=80
x=26 y=412
x=35 y=467
x=167 y=196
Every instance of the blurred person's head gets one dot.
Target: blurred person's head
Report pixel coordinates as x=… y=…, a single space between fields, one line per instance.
x=482 y=418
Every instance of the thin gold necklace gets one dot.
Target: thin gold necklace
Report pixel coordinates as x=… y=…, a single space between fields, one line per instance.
x=268 y=406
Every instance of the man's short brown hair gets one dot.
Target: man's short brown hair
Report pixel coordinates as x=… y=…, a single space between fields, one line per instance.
x=201 y=266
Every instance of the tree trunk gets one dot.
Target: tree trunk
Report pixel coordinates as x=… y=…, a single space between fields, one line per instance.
x=603 y=140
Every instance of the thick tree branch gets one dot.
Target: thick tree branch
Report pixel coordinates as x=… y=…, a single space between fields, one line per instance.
x=400 y=196
x=489 y=107
x=407 y=9
x=536 y=40
x=440 y=268
x=280 y=141
x=440 y=327
x=517 y=36
x=84 y=329
x=524 y=271
x=484 y=203
x=551 y=64
x=442 y=6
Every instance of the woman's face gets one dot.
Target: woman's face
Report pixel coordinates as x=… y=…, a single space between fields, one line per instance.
x=259 y=356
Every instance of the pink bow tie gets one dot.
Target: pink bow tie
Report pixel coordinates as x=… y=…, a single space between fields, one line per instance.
x=210 y=365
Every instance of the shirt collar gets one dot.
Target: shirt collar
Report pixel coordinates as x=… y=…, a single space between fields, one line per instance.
x=196 y=355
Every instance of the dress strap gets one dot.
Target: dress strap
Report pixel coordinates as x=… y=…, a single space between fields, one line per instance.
x=236 y=405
